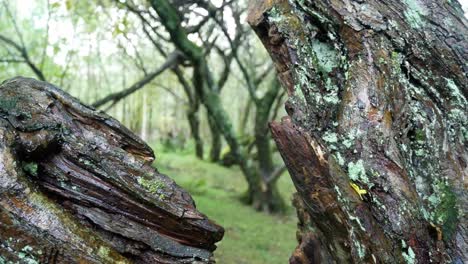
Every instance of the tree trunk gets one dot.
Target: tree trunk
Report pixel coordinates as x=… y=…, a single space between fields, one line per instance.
x=266 y=196
x=194 y=123
x=376 y=141
x=78 y=187
x=216 y=143
x=245 y=118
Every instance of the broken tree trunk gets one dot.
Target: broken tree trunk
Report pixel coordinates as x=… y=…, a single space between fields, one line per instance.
x=78 y=187
x=376 y=138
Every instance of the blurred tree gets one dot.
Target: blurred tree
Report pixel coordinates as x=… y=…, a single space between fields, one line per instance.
x=261 y=177
x=17 y=51
x=173 y=60
x=23 y=44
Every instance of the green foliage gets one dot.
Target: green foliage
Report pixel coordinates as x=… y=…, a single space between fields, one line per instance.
x=251 y=237
x=31 y=168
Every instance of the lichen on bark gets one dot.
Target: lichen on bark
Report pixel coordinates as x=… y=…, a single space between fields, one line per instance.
x=393 y=132
x=78 y=187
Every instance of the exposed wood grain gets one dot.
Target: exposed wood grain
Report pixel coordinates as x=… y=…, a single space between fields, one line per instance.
x=78 y=187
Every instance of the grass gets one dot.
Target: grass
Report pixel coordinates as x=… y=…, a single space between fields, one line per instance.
x=251 y=237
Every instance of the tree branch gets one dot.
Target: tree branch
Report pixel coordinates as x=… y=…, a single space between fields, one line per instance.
x=276 y=174
x=12 y=60
x=24 y=54
x=172 y=60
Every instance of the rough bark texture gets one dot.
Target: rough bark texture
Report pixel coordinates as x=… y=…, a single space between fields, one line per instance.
x=77 y=187
x=376 y=138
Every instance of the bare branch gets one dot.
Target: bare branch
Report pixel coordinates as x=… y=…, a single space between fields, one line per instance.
x=46 y=38
x=278 y=105
x=276 y=174
x=262 y=76
x=115 y=97
x=24 y=54
x=13 y=20
x=171 y=91
x=12 y=60
x=65 y=70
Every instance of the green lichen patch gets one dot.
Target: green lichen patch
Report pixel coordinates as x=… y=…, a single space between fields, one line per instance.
x=86 y=162
x=360 y=249
x=8 y=104
x=31 y=168
x=330 y=137
x=154 y=186
x=410 y=257
x=444 y=202
x=103 y=252
x=339 y=158
x=414 y=14
x=315 y=58
x=327 y=57
x=350 y=138
x=356 y=170
x=27 y=248
x=26 y=255
x=357 y=173
x=456 y=94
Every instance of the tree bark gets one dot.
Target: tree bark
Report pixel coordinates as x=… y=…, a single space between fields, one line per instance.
x=77 y=187
x=376 y=138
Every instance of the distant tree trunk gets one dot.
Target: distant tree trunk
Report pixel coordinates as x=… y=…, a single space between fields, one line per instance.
x=194 y=122
x=216 y=143
x=376 y=141
x=78 y=187
x=144 y=117
x=266 y=196
x=245 y=118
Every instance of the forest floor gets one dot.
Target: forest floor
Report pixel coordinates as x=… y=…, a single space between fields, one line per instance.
x=251 y=237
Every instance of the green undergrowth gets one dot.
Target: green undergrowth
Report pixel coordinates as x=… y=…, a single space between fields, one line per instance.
x=251 y=237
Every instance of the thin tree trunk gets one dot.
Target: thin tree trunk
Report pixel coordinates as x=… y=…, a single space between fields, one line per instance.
x=144 y=117
x=216 y=143
x=245 y=118
x=267 y=193
x=194 y=123
x=376 y=141
x=265 y=196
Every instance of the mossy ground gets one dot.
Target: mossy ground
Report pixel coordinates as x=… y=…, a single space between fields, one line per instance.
x=251 y=237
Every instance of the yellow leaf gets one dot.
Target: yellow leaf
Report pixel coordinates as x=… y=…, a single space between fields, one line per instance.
x=358 y=189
